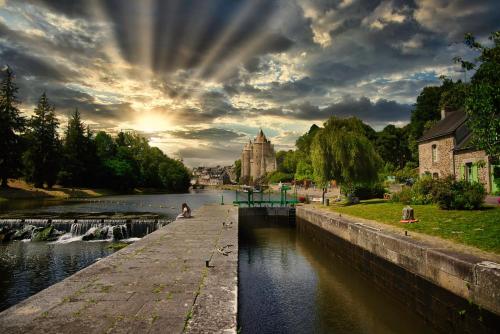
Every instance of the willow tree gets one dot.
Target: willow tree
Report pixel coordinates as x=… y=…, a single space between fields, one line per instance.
x=342 y=152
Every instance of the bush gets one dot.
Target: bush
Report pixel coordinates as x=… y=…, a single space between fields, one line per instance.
x=368 y=191
x=404 y=196
x=276 y=177
x=450 y=194
x=421 y=190
x=407 y=173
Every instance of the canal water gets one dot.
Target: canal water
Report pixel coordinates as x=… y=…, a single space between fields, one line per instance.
x=288 y=284
x=29 y=267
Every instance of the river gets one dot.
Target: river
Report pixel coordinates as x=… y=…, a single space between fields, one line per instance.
x=289 y=284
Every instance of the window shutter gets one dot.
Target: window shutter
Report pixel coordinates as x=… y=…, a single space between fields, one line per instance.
x=474 y=173
x=462 y=172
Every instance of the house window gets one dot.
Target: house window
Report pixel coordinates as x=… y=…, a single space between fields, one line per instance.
x=434 y=153
x=435 y=175
x=469 y=172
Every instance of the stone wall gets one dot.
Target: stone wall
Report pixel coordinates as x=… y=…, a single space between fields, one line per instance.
x=444 y=164
x=454 y=292
x=464 y=157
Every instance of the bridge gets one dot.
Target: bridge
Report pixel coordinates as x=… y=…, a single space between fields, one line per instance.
x=251 y=197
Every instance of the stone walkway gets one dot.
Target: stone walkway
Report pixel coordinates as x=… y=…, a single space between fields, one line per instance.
x=159 y=284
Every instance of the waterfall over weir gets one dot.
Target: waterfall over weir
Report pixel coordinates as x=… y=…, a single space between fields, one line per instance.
x=111 y=228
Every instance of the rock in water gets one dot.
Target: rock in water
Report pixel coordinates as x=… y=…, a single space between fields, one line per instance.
x=6 y=233
x=24 y=233
x=96 y=233
x=44 y=234
x=119 y=232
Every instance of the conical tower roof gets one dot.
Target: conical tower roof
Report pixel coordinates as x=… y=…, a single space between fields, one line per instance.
x=261 y=137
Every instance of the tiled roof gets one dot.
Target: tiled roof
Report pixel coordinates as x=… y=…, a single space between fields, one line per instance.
x=446 y=126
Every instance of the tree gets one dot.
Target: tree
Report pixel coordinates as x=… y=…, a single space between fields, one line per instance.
x=74 y=169
x=482 y=102
x=42 y=156
x=237 y=169
x=392 y=146
x=11 y=123
x=342 y=152
x=174 y=175
x=303 y=143
x=304 y=171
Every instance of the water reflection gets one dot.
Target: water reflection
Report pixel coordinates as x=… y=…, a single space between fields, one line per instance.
x=28 y=267
x=288 y=284
x=164 y=204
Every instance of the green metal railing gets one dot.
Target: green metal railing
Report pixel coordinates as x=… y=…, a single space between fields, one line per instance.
x=256 y=198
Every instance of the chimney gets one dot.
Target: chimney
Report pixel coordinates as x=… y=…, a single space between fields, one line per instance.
x=445 y=112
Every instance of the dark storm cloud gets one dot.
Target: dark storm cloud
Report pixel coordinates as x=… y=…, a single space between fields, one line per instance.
x=368 y=111
x=454 y=18
x=171 y=24
x=210 y=134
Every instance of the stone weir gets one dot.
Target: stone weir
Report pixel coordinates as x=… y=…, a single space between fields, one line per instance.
x=180 y=278
x=453 y=291
x=18 y=229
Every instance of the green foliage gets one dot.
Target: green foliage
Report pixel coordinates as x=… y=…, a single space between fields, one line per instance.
x=277 y=176
x=450 y=194
x=42 y=157
x=174 y=175
x=426 y=109
x=404 y=196
x=392 y=145
x=482 y=102
x=287 y=161
x=304 y=142
x=237 y=169
x=304 y=171
x=341 y=151
x=368 y=191
x=408 y=172
x=76 y=160
x=11 y=123
x=447 y=193
x=453 y=95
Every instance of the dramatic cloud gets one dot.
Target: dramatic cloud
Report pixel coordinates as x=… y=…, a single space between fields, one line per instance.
x=200 y=77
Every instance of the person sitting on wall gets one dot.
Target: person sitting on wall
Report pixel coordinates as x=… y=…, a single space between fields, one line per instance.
x=186 y=211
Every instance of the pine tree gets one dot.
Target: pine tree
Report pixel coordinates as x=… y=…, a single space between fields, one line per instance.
x=11 y=123
x=75 y=147
x=43 y=154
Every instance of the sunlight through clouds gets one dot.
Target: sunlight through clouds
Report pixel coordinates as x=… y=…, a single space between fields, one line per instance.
x=175 y=69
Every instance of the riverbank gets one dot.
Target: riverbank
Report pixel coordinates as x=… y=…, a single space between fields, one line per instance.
x=19 y=190
x=478 y=229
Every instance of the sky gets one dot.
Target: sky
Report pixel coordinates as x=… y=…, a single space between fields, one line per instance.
x=199 y=78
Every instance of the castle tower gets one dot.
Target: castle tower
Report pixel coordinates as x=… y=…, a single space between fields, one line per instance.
x=258 y=158
x=245 y=160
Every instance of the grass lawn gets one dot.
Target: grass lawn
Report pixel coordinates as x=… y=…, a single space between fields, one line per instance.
x=479 y=228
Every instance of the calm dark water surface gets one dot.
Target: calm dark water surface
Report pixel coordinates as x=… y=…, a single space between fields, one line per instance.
x=29 y=267
x=166 y=204
x=288 y=284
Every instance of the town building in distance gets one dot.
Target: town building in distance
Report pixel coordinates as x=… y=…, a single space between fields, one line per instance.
x=213 y=176
x=257 y=159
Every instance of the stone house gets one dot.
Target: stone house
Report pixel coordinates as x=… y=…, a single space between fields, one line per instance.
x=445 y=149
